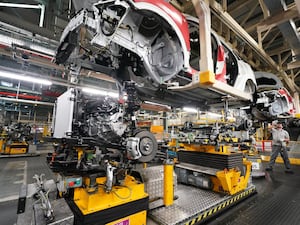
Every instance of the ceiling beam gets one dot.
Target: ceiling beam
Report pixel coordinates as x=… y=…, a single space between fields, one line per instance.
x=279 y=18
x=272 y=40
x=236 y=28
x=264 y=8
x=249 y=14
x=280 y=50
x=298 y=6
x=296 y=74
x=251 y=26
x=236 y=6
x=224 y=5
x=285 y=58
x=293 y=65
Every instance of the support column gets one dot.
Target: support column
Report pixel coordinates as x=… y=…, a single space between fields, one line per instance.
x=203 y=12
x=296 y=102
x=168 y=183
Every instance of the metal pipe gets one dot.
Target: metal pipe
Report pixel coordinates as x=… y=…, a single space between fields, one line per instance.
x=26 y=101
x=22 y=96
x=19 y=115
x=34 y=116
x=42 y=16
x=14 y=5
x=18 y=90
x=28 y=6
x=69 y=9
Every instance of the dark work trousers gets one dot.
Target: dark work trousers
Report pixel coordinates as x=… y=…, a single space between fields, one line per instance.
x=284 y=155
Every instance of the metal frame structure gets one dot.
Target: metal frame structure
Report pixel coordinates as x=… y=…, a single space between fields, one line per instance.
x=249 y=49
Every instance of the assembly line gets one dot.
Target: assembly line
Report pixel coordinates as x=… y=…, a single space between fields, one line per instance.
x=161 y=121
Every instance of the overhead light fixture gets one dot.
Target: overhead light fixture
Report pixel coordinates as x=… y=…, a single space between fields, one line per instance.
x=245 y=107
x=214 y=115
x=25 y=78
x=42 y=49
x=190 y=110
x=158 y=104
x=9 y=41
x=6 y=84
x=100 y=92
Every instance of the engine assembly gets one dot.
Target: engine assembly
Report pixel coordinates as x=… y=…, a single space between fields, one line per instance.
x=98 y=135
x=14 y=139
x=97 y=143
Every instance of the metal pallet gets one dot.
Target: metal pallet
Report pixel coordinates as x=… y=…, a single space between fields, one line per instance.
x=213 y=160
x=195 y=206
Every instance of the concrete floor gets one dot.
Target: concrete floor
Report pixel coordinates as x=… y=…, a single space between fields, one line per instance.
x=273 y=186
x=13 y=173
x=277 y=201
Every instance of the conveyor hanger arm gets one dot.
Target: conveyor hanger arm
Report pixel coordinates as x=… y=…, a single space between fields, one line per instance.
x=206 y=78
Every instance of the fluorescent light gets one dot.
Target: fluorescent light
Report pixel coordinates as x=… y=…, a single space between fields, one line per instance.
x=25 y=78
x=190 y=110
x=9 y=41
x=246 y=107
x=214 y=115
x=26 y=6
x=6 y=84
x=42 y=49
x=154 y=103
x=100 y=92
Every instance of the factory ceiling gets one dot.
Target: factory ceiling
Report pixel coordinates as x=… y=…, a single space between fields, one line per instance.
x=265 y=33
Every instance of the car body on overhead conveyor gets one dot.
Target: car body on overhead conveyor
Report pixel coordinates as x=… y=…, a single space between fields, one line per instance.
x=157 y=47
x=228 y=67
x=273 y=95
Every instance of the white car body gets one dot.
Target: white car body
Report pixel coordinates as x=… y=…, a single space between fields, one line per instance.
x=154 y=45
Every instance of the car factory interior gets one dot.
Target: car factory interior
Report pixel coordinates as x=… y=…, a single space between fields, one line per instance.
x=143 y=112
